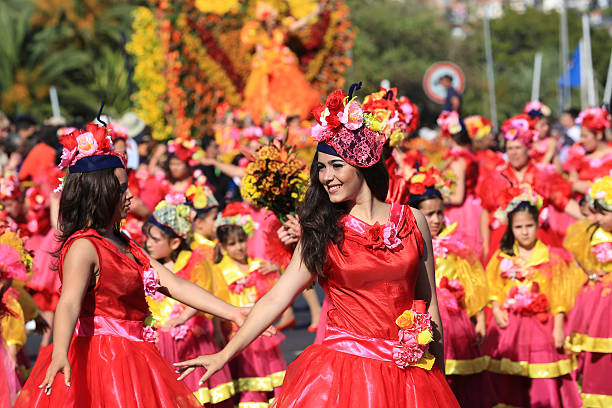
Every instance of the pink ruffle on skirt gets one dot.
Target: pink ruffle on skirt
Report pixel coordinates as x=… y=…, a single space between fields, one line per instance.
x=467 y=216
x=9 y=383
x=197 y=341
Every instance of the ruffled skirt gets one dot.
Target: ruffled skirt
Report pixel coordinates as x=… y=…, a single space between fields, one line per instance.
x=590 y=334
x=467 y=216
x=9 y=383
x=526 y=349
x=108 y=371
x=465 y=363
x=260 y=369
x=198 y=341
x=324 y=378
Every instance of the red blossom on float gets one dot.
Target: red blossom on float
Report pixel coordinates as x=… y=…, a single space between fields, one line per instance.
x=597 y=120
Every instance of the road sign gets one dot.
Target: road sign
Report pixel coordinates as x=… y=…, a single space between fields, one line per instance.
x=433 y=89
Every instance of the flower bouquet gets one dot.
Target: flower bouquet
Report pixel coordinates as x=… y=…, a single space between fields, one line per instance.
x=275 y=180
x=528 y=301
x=414 y=337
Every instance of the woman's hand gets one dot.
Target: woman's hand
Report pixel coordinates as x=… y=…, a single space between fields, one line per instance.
x=559 y=337
x=501 y=317
x=291 y=231
x=481 y=331
x=212 y=363
x=172 y=323
x=268 y=267
x=58 y=364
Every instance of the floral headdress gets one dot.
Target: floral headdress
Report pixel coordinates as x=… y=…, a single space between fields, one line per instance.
x=9 y=187
x=520 y=128
x=427 y=182
x=601 y=192
x=252 y=133
x=345 y=130
x=201 y=198
x=536 y=109
x=399 y=117
x=450 y=123
x=512 y=197
x=478 y=126
x=237 y=213
x=185 y=149
x=15 y=261
x=93 y=144
x=595 y=119
x=172 y=215
x=117 y=131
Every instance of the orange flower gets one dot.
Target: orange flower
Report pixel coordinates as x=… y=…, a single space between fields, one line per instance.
x=405 y=320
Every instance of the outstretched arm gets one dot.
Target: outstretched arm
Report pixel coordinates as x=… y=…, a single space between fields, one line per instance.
x=426 y=289
x=194 y=296
x=291 y=283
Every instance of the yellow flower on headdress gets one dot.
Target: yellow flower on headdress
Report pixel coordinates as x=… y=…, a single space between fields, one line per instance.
x=373 y=122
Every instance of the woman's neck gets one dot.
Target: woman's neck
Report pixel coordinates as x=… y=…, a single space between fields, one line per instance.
x=168 y=263
x=370 y=210
x=525 y=252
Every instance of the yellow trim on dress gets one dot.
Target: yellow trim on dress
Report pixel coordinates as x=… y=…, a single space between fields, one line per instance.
x=231 y=273
x=578 y=342
x=525 y=369
x=253 y=405
x=597 y=400
x=215 y=395
x=261 y=383
x=467 y=367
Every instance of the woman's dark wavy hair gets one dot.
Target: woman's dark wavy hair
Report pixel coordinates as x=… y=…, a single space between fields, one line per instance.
x=319 y=217
x=416 y=201
x=89 y=200
x=224 y=234
x=507 y=242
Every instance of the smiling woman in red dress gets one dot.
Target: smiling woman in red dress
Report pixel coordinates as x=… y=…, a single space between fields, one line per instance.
x=102 y=354
x=375 y=262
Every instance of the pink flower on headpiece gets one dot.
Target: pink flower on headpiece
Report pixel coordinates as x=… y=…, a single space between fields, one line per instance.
x=520 y=128
x=352 y=116
x=318 y=132
x=449 y=123
x=594 y=119
x=87 y=144
x=67 y=156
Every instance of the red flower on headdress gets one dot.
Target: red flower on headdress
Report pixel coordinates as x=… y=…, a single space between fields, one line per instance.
x=9 y=187
x=520 y=128
x=117 y=131
x=597 y=120
x=184 y=149
x=92 y=141
x=328 y=115
x=419 y=182
x=478 y=126
x=450 y=123
x=409 y=114
x=236 y=208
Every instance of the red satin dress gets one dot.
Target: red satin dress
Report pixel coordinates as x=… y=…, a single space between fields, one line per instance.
x=370 y=282
x=111 y=365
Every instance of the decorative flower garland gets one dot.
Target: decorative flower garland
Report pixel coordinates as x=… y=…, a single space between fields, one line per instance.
x=414 y=337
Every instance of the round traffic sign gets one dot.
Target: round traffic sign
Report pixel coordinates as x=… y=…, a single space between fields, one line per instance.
x=434 y=90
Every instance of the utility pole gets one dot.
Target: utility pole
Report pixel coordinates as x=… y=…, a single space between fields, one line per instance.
x=490 y=73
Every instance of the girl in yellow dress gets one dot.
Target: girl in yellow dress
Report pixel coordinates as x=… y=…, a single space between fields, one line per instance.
x=183 y=331
x=531 y=290
x=589 y=325
x=259 y=368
